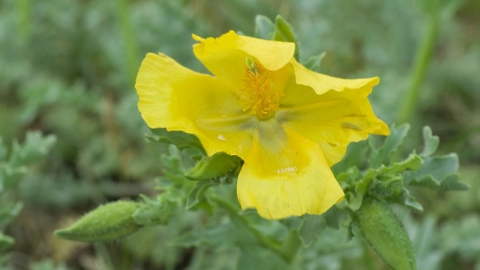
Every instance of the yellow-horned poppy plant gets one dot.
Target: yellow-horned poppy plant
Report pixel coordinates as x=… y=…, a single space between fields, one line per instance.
x=287 y=123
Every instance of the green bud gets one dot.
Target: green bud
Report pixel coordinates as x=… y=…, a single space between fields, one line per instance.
x=108 y=222
x=213 y=167
x=384 y=232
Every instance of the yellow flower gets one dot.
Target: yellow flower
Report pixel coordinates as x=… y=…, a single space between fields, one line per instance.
x=288 y=124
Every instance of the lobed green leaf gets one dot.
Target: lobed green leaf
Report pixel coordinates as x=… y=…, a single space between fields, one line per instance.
x=35 y=148
x=431 y=142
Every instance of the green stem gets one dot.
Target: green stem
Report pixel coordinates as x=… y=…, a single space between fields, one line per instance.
x=422 y=59
x=129 y=40
x=286 y=254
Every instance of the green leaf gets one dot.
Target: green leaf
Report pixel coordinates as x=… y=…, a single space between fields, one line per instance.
x=108 y=222
x=451 y=182
x=5 y=241
x=9 y=211
x=384 y=232
x=32 y=150
x=284 y=32
x=254 y=257
x=383 y=154
x=431 y=142
x=214 y=167
x=310 y=229
x=406 y=199
x=264 y=27
x=197 y=194
x=220 y=237
x=433 y=171
x=412 y=163
x=314 y=61
x=411 y=202
x=354 y=157
x=178 y=138
x=426 y=182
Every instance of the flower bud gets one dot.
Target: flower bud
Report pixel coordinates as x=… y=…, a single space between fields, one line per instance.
x=108 y=222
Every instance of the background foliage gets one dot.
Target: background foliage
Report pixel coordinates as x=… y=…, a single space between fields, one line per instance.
x=67 y=69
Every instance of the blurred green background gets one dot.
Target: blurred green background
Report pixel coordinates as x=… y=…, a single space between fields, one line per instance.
x=68 y=68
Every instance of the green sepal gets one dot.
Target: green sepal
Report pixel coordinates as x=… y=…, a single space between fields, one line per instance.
x=214 y=167
x=284 y=32
x=386 y=188
x=154 y=212
x=313 y=62
x=178 y=138
x=385 y=234
x=108 y=222
x=264 y=27
x=5 y=242
x=197 y=194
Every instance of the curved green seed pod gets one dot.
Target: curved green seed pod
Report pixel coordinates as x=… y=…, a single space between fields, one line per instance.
x=108 y=222
x=384 y=232
x=215 y=166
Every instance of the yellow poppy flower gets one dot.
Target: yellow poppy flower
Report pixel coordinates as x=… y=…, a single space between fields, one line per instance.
x=287 y=123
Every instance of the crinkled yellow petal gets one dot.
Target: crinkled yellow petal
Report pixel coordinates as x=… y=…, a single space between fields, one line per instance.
x=332 y=119
x=321 y=83
x=176 y=98
x=286 y=175
x=225 y=56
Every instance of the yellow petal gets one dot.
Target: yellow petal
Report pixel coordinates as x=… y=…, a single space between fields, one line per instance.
x=286 y=175
x=225 y=56
x=176 y=98
x=332 y=119
x=322 y=83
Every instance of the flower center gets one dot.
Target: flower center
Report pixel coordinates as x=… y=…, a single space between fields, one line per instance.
x=257 y=93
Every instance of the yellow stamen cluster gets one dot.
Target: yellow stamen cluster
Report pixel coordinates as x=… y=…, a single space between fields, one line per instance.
x=257 y=93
